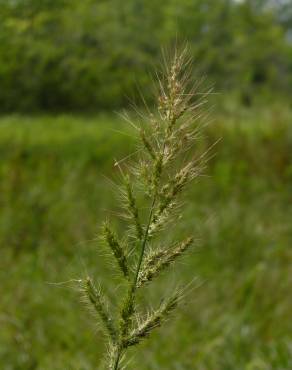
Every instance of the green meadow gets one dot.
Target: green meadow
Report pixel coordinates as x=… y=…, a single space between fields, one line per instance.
x=57 y=178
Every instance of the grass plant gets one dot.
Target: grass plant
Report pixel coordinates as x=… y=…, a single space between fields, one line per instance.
x=158 y=176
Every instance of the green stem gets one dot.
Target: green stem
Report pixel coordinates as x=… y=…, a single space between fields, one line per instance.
x=117 y=360
x=144 y=242
x=134 y=283
x=143 y=247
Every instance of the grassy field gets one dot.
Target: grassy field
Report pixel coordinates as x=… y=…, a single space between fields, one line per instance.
x=54 y=191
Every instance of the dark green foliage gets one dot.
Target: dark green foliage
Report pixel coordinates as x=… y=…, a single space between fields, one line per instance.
x=75 y=55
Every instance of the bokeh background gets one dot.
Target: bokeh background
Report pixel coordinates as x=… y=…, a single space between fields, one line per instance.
x=65 y=68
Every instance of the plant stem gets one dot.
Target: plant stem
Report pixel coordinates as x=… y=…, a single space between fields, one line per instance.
x=134 y=283
x=117 y=360
x=144 y=242
x=133 y=286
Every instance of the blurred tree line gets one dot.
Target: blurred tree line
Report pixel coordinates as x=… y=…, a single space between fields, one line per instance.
x=90 y=54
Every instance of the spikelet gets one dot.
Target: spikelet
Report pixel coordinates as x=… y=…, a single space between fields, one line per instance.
x=168 y=197
x=132 y=208
x=97 y=300
x=127 y=312
x=154 y=320
x=116 y=249
x=147 y=144
x=158 y=167
x=158 y=261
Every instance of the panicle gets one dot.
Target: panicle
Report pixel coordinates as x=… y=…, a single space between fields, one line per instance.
x=161 y=173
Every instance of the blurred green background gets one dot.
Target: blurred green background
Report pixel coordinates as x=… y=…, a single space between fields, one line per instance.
x=65 y=67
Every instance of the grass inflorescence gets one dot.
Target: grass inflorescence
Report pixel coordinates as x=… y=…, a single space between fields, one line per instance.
x=165 y=165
